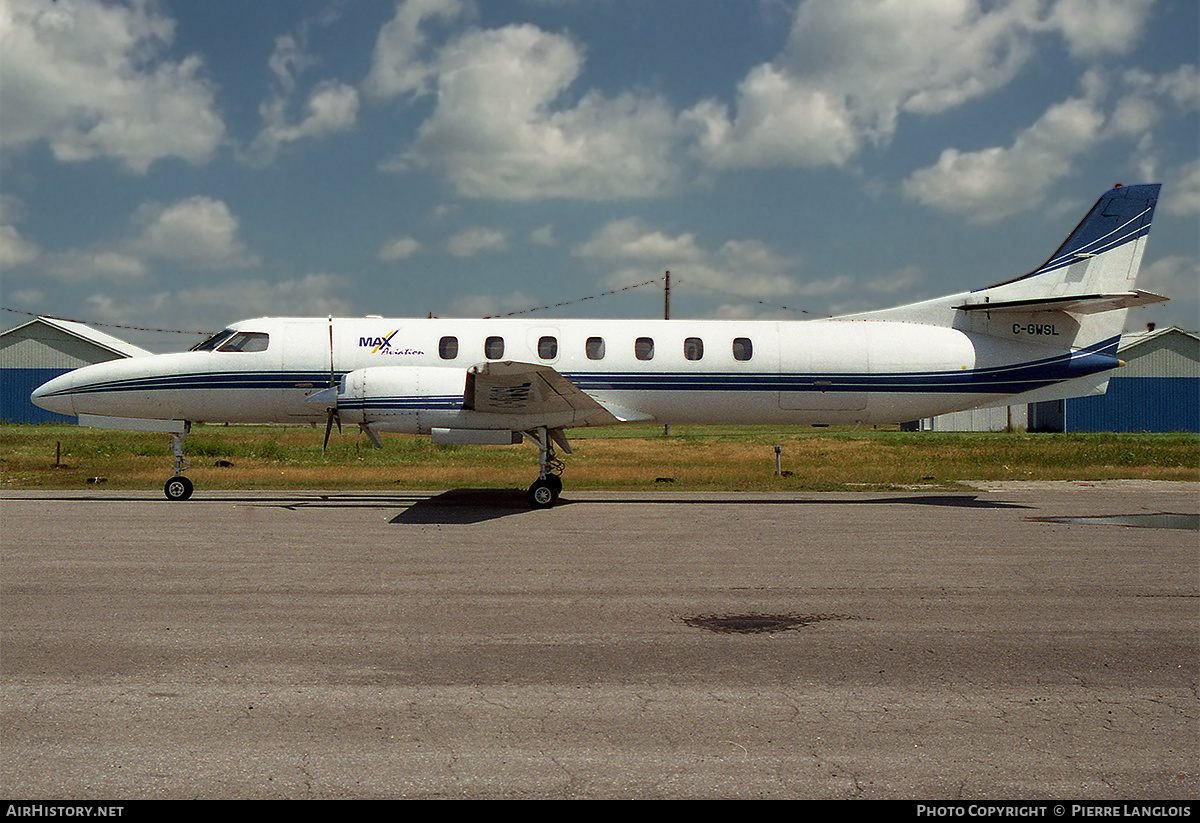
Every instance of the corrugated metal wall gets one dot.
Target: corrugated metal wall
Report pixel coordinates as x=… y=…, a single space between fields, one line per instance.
x=32 y=354
x=1139 y=404
x=1158 y=389
x=45 y=348
x=995 y=419
x=1172 y=354
x=15 y=387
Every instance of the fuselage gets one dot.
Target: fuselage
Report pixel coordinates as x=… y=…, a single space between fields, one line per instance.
x=822 y=372
x=1047 y=335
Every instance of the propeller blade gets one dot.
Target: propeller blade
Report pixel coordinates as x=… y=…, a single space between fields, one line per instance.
x=329 y=420
x=371 y=433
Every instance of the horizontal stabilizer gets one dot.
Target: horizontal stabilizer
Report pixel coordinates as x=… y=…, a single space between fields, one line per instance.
x=1074 y=303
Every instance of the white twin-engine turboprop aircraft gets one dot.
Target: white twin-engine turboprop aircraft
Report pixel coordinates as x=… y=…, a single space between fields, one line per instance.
x=1050 y=334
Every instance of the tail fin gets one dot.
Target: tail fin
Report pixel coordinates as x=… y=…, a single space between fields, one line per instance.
x=1091 y=276
x=1077 y=299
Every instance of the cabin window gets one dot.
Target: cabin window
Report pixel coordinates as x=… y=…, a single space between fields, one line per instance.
x=493 y=348
x=693 y=348
x=594 y=348
x=743 y=349
x=448 y=348
x=643 y=348
x=548 y=348
x=246 y=341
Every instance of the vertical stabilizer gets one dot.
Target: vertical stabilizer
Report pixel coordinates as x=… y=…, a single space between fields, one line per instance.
x=1077 y=299
x=1092 y=274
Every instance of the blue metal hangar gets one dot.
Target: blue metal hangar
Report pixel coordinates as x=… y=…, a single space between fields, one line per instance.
x=43 y=348
x=1158 y=389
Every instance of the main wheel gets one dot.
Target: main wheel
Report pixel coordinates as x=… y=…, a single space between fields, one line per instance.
x=178 y=488
x=544 y=493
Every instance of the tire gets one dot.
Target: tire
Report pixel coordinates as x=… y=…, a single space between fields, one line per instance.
x=178 y=488
x=543 y=494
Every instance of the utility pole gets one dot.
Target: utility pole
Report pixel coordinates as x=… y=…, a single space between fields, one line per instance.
x=667 y=316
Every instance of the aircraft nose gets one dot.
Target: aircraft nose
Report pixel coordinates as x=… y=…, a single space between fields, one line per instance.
x=54 y=395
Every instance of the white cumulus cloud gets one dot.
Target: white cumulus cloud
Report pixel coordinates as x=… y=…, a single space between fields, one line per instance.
x=636 y=253
x=89 y=79
x=331 y=106
x=476 y=240
x=993 y=183
x=199 y=231
x=14 y=249
x=852 y=68
x=399 y=248
x=502 y=128
x=401 y=63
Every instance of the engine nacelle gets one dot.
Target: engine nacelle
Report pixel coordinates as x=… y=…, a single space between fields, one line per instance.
x=490 y=403
x=412 y=399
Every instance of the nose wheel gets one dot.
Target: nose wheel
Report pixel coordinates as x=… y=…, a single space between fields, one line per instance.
x=178 y=488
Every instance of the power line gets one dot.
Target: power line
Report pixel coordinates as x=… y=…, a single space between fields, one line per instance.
x=742 y=297
x=106 y=325
x=572 y=302
x=488 y=317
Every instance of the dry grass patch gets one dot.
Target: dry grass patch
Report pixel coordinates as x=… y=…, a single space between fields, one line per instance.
x=638 y=457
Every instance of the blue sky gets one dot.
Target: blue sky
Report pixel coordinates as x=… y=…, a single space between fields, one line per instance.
x=183 y=165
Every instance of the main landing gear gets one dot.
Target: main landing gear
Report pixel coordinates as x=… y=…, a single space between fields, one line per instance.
x=179 y=487
x=545 y=490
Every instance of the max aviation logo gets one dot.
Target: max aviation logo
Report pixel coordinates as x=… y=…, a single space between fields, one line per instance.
x=383 y=345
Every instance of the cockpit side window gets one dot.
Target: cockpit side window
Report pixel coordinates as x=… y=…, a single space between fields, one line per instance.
x=246 y=341
x=214 y=341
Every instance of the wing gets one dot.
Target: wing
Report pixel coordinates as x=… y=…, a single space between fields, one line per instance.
x=510 y=388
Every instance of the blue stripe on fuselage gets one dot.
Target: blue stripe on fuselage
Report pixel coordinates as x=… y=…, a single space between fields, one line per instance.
x=1008 y=379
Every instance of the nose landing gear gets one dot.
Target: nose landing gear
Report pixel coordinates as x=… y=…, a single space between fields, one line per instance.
x=179 y=487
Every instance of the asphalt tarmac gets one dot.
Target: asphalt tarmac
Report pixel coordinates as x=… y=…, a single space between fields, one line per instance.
x=1016 y=642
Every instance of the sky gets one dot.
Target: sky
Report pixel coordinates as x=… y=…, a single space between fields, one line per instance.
x=181 y=165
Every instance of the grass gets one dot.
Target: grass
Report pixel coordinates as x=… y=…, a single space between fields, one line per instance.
x=635 y=457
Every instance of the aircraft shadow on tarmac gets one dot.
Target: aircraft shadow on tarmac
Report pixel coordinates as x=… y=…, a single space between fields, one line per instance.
x=461 y=506
x=466 y=506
